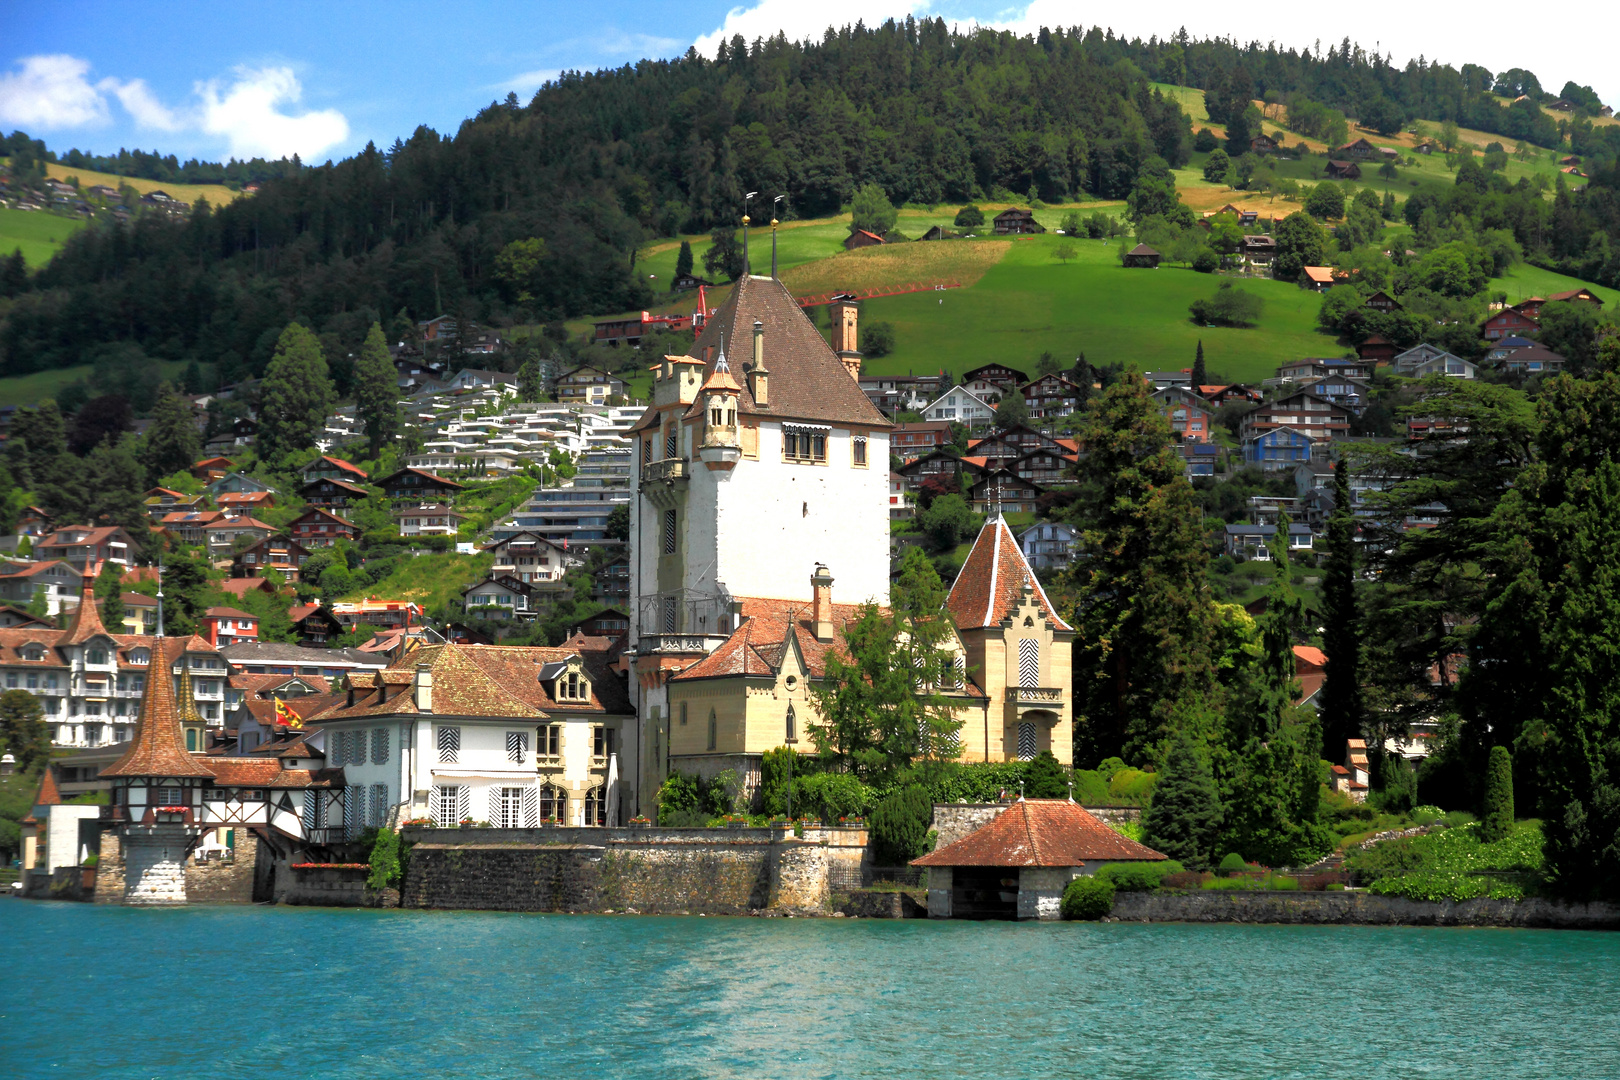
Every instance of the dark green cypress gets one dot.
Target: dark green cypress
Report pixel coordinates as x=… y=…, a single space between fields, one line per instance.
x=1199 y=375
x=1342 y=706
x=1498 y=820
x=1184 y=819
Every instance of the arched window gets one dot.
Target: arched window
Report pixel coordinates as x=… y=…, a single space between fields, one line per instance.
x=596 y=806
x=553 y=804
x=34 y=652
x=714 y=729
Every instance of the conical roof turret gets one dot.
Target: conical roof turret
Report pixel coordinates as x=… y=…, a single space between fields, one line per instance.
x=87 y=620
x=159 y=747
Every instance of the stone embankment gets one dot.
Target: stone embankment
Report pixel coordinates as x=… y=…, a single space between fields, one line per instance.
x=1359 y=908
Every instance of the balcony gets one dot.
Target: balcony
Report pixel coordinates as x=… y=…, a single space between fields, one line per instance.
x=662 y=481
x=1035 y=699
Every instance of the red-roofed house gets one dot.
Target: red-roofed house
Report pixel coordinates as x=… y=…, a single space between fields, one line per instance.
x=321 y=528
x=336 y=468
x=1017 y=866
x=223 y=626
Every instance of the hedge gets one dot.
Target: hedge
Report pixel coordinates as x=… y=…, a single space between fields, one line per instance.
x=1087 y=899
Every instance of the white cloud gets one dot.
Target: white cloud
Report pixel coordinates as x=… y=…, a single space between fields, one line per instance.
x=800 y=20
x=141 y=104
x=524 y=84
x=247 y=114
x=51 y=92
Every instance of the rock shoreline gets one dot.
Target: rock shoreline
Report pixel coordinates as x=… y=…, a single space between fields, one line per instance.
x=1360 y=908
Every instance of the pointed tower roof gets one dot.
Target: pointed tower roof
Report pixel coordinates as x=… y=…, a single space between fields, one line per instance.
x=992 y=580
x=808 y=380
x=720 y=378
x=159 y=748
x=48 y=794
x=87 y=620
x=187 y=703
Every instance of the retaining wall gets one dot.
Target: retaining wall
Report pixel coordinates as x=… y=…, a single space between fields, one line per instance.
x=1359 y=908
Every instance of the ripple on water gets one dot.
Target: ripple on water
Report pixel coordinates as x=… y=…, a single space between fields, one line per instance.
x=301 y=992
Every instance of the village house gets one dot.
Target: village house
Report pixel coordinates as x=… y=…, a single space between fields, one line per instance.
x=1142 y=257
x=1524 y=357
x=428 y=519
x=1376 y=350
x=911 y=441
x=587 y=385
x=187 y=526
x=993 y=381
x=417 y=484
x=279 y=553
x=212 y=468
x=229 y=626
x=1257 y=250
x=1310 y=369
x=1342 y=170
x=1317 y=278
x=1249 y=541
x=1360 y=149
x=34 y=522
x=901 y=393
x=1426 y=359
x=1191 y=417
x=237 y=482
x=1278 y=448
x=82 y=546
x=1000 y=490
x=1263 y=144
x=224 y=535
x=1316 y=417
x=1052 y=396
x=1381 y=301
x=335 y=468
x=318 y=528
x=163 y=501
x=500 y=597
x=860 y=238
x=531 y=558
x=60 y=583
x=330 y=491
x=959 y=406
x=1049 y=545
x=1509 y=322
x=1017 y=221
x=1010 y=444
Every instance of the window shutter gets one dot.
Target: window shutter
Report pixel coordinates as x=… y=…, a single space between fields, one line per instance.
x=449 y=745
x=531 y=808
x=310 y=798
x=1026 y=742
x=669 y=532
x=464 y=800
x=379 y=746
x=353 y=800
x=1029 y=662
x=435 y=804
x=379 y=805
x=517 y=746
x=494 y=805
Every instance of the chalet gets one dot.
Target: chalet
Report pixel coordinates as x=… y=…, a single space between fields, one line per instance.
x=901 y=393
x=1200 y=458
x=939 y=463
x=1377 y=350
x=34 y=522
x=1279 y=448
x=995 y=379
x=1017 y=221
x=1163 y=379
x=237 y=482
x=530 y=558
x=1317 y=278
x=1426 y=148
x=587 y=385
x=501 y=597
x=1381 y=301
x=335 y=468
x=1426 y=359
x=1532 y=306
x=186 y=526
x=911 y=441
x=1306 y=413
x=961 y=407
x=1142 y=256
x=428 y=519
x=316 y=528
x=81 y=545
x=1248 y=217
x=1192 y=419
x=611 y=585
x=316 y=625
x=1001 y=491
x=58 y=582
x=331 y=491
x=1218 y=395
x=860 y=238
x=1360 y=150
x=1509 y=322
x=210 y=469
x=277 y=553
x=938 y=232
x=228 y=626
x=12 y=617
x=160 y=501
x=1051 y=396
x=418 y=484
x=1050 y=545
x=1263 y=144
x=688 y=282
x=103 y=191
x=1044 y=467
x=1528 y=359
x=482 y=379
x=1317 y=368
x=1258 y=250
x=237 y=503
x=222 y=536
x=1342 y=170
x=1012 y=443
x=605 y=624
x=236 y=586
x=1348 y=393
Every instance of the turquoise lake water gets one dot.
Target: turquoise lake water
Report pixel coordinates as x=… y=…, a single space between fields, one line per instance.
x=224 y=992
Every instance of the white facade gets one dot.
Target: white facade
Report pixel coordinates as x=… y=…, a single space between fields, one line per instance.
x=959 y=405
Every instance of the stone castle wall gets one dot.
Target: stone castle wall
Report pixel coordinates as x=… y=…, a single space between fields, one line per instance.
x=221 y=882
x=110 y=869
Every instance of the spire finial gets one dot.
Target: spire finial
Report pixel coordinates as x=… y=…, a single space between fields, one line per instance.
x=720 y=364
x=160 y=598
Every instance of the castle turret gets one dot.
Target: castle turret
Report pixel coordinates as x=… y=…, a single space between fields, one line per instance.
x=720 y=394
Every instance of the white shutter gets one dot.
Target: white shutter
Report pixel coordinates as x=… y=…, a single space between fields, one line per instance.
x=463 y=800
x=1029 y=662
x=434 y=803
x=353 y=801
x=517 y=746
x=531 y=807
x=310 y=803
x=379 y=805
x=379 y=746
x=494 y=805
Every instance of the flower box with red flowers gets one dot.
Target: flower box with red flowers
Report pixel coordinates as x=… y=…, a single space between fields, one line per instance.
x=173 y=809
x=331 y=866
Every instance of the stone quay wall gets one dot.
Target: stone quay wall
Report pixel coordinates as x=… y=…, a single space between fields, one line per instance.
x=218 y=881
x=651 y=871
x=110 y=869
x=1359 y=908
x=326 y=886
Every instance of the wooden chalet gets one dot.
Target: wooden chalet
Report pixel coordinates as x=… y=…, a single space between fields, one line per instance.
x=1004 y=491
x=316 y=527
x=279 y=553
x=1377 y=348
x=1382 y=301
x=1360 y=150
x=326 y=465
x=210 y=469
x=1143 y=257
x=1263 y=144
x=993 y=379
x=331 y=491
x=1508 y=322
x=1342 y=170
x=1017 y=221
x=418 y=484
x=860 y=238
x=938 y=232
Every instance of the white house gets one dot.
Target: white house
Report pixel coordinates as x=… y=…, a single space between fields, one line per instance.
x=1422 y=360
x=960 y=405
x=1049 y=545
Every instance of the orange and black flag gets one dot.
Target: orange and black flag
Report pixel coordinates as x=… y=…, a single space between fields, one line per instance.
x=285 y=717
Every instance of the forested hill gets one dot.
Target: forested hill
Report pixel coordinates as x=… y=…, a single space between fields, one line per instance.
x=596 y=164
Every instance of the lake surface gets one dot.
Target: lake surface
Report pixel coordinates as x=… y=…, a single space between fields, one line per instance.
x=216 y=992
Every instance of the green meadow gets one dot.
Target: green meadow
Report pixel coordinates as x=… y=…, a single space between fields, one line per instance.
x=37 y=233
x=28 y=389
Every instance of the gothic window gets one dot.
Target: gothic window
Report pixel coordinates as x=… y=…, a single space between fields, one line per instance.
x=1029 y=662
x=1026 y=742
x=449 y=745
x=599 y=744
x=671 y=444
x=548 y=751
x=554 y=804
x=379 y=746
x=669 y=532
x=596 y=806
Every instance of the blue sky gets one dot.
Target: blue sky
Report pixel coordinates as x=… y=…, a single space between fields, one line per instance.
x=254 y=78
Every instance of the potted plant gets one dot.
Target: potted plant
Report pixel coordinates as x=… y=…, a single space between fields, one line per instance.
x=549 y=823
x=640 y=822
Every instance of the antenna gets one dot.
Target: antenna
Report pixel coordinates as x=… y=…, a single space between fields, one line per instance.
x=774 y=223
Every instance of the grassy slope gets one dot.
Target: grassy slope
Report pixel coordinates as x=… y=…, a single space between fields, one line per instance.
x=216 y=194
x=37 y=232
x=28 y=389
x=431 y=580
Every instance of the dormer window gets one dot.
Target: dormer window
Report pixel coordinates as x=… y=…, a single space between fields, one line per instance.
x=96 y=656
x=139 y=656
x=573 y=687
x=34 y=652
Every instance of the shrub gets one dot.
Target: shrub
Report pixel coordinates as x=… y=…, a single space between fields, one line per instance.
x=1427 y=815
x=1457 y=819
x=1206 y=261
x=1233 y=863
x=1131 y=786
x=1498 y=797
x=899 y=826
x=1138 y=876
x=969 y=217
x=1186 y=879
x=877 y=339
x=1228 y=307
x=91 y=861
x=1047 y=778
x=1205 y=141
x=831 y=796
x=1087 y=899
x=385 y=870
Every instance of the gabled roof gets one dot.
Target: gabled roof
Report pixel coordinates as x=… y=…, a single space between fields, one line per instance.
x=354 y=489
x=993 y=579
x=763 y=638
x=1141 y=249
x=435 y=477
x=1041 y=832
x=158 y=749
x=354 y=470
x=321 y=512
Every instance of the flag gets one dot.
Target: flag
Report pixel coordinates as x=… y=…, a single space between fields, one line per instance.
x=285 y=717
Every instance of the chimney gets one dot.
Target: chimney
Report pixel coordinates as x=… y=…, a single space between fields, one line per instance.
x=821 y=614
x=845 y=333
x=424 y=688
x=758 y=377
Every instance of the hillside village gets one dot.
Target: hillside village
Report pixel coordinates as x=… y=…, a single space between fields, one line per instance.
x=498 y=568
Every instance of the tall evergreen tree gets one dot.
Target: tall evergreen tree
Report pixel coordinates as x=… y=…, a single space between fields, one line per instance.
x=1184 y=819
x=683 y=262
x=110 y=595
x=1342 y=705
x=23 y=733
x=1142 y=607
x=1497 y=821
x=1199 y=375
x=172 y=442
x=376 y=391
x=296 y=395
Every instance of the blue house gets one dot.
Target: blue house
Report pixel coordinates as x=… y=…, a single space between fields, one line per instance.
x=1279 y=448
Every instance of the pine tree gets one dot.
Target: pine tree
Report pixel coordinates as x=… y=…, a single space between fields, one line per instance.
x=376 y=391
x=110 y=594
x=683 y=262
x=296 y=395
x=1342 y=705
x=172 y=442
x=1498 y=819
x=1199 y=375
x=1184 y=819
x=1145 y=619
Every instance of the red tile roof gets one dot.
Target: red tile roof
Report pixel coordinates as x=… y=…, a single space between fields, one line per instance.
x=1308 y=656
x=1040 y=832
x=48 y=794
x=758 y=644
x=87 y=620
x=158 y=748
x=992 y=580
x=340 y=463
x=228 y=613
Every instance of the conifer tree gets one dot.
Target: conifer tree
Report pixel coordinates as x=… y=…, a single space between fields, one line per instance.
x=296 y=395
x=1498 y=819
x=110 y=594
x=376 y=391
x=683 y=262
x=172 y=442
x=1145 y=619
x=1184 y=819
x=1341 y=620
x=1199 y=375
